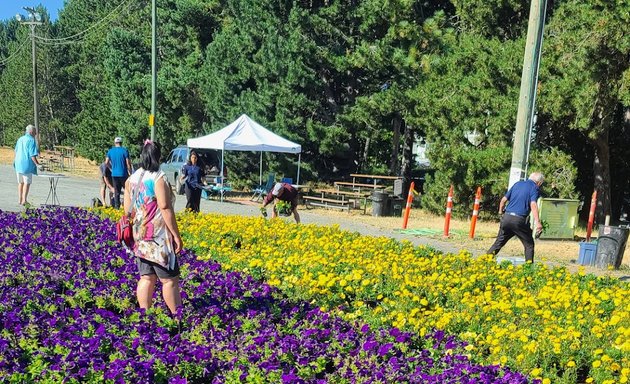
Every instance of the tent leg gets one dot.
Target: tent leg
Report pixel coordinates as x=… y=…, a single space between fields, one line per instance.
x=221 y=173
x=298 y=172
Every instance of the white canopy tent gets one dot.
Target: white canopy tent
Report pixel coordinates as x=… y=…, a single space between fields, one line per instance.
x=244 y=134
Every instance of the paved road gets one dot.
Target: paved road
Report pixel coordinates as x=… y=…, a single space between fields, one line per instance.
x=79 y=191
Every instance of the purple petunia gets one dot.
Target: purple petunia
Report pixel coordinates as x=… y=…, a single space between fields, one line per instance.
x=68 y=312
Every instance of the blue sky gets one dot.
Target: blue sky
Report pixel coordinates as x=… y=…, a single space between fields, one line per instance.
x=8 y=8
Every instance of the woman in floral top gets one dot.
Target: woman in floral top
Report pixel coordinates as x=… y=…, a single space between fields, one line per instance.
x=157 y=239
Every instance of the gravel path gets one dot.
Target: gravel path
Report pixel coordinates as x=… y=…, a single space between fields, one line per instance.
x=79 y=191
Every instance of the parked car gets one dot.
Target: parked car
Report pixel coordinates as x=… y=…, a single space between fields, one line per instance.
x=178 y=157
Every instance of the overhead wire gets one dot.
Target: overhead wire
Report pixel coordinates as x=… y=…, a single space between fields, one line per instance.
x=76 y=38
x=80 y=36
x=7 y=59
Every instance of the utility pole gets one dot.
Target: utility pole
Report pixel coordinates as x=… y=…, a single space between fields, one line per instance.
x=35 y=20
x=527 y=97
x=153 y=67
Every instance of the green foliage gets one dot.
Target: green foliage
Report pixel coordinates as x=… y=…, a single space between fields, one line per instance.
x=493 y=18
x=466 y=170
x=559 y=171
x=354 y=82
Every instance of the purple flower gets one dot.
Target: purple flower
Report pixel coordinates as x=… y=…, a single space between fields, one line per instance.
x=68 y=304
x=384 y=349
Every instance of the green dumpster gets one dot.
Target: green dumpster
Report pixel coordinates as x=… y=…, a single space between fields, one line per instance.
x=559 y=216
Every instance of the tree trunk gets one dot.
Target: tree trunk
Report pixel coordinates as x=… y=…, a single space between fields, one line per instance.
x=601 y=173
x=364 y=157
x=397 y=122
x=407 y=157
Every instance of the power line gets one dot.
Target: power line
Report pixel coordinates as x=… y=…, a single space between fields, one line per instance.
x=80 y=36
x=14 y=54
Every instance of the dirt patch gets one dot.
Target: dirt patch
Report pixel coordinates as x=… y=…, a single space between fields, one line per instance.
x=82 y=166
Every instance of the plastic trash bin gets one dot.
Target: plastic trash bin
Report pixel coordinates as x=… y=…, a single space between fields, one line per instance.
x=611 y=244
x=587 y=253
x=397 y=206
x=381 y=203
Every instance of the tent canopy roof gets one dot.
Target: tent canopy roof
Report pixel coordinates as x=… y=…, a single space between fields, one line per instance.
x=244 y=134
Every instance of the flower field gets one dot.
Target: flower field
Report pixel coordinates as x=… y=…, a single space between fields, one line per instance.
x=68 y=311
x=553 y=325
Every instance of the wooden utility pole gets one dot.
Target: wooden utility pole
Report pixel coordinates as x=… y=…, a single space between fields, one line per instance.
x=527 y=98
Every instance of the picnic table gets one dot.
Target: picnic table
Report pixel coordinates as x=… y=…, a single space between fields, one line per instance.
x=51 y=160
x=356 y=185
x=334 y=198
x=66 y=155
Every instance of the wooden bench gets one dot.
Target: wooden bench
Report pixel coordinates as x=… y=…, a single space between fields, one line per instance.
x=326 y=202
x=352 y=196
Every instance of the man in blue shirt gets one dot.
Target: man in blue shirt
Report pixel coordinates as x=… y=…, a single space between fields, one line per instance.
x=521 y=198
x=26 y=162
x=118 y=160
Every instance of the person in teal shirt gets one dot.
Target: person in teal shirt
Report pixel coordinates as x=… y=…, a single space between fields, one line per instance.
x=25 y=162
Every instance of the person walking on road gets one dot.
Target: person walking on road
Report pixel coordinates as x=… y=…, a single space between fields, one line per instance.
x=26 y=163
x=118 y=160
x=521 y=199
x=193 y=179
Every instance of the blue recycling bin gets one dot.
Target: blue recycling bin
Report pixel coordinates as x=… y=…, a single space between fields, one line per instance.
x=588 y=251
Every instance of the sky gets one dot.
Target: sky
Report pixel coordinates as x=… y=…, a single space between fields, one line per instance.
x=9 y=8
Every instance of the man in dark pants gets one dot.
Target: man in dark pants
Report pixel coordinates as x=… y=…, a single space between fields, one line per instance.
x=118 y=160
x=521 y=198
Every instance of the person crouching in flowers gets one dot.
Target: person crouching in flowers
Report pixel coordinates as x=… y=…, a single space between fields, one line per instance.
x=284 y=192
x=155 y=232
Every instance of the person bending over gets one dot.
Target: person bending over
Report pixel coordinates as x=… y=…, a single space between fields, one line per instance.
x=286 y=193
x=107 y=184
